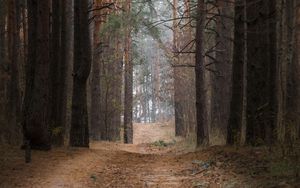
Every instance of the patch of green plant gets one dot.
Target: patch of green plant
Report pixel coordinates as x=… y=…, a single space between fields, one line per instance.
x=93 y=177
x=259 y=142
x=200 y=184
x=57 y=131
x=160 y=143
x=284 y=168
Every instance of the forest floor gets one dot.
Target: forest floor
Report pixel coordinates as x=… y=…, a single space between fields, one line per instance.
x=156 y=159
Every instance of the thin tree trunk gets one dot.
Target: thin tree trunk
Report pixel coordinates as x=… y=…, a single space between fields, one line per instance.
x=116 y=102
x=96 y=86
x=128 y=127
x=2 y=33
x=180 y=124
x=293 y=97
x=2 y=55
x=270 y=126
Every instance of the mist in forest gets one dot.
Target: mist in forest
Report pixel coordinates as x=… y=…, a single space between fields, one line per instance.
x=149 y=93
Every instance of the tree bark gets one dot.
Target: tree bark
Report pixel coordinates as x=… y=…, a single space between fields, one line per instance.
x=2 y=33
x=2 y=57
x=128 y=127
x=55 y=74
x=295 y=76
x=237 y=120
x=14 y=57
x=96 y=86
x=221 y=78
x=202 y=134
x=259 y=48
x=36 y=102
x=290 y=120
x=79 y=133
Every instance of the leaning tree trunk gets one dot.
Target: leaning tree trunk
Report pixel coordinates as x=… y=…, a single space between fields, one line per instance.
x=36 y=102
x=79 y=133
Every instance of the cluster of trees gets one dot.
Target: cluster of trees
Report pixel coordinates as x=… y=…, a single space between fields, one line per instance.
x=153 y=83
x=241 y=69
x=183 y=63
x=262 y=106
x=68 y=69
x=46 y=61
x=35 y=52
x=106 y=83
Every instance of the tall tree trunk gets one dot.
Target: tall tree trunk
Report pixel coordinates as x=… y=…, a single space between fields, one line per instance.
x=24 y=48
x=295 y=76
x=282 y=66
x=188 y=74
x=202 y=134
x=289 y=74
x=2 y=33
x=69 y=64
x=271 y=24
x=106 y=77
x=128 y=127
x=180 y=128
x=116 y=102
x=79 y=133
x=63 y=69
x=258 y=73
x=156 y=89
x=237 y=120
x=36 y=102
x=55 y=73
x=14 y=56
x=221 y=78
x=2 y=54
x=96 y=87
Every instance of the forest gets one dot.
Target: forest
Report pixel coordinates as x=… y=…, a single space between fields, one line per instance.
x=150 y=93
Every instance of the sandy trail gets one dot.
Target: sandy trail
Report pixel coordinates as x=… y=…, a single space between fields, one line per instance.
x=137 y=165
x=103 y=165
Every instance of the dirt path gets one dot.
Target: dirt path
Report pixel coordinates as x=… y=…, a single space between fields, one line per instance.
x=138 y=165
x=103 y=165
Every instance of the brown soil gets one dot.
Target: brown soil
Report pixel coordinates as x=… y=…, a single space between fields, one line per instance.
x=146 y=163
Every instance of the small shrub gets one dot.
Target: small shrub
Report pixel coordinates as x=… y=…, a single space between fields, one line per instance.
x=160 y=143
x=284 y=168
x=57 y=131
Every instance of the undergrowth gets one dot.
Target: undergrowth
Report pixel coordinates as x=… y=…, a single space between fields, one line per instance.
x=162 y=143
